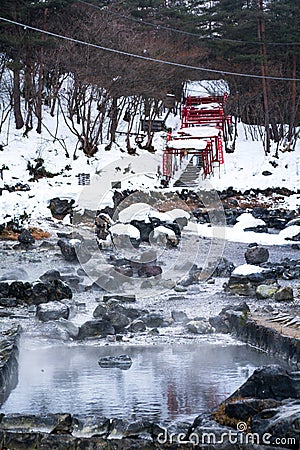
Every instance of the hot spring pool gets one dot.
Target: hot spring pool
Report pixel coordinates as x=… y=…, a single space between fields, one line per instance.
x=164 y=382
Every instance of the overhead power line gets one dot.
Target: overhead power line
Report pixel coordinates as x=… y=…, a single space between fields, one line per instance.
x=188 y=33
x=145 y=58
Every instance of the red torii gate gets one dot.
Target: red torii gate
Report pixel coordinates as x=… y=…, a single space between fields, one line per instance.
x=198 y=112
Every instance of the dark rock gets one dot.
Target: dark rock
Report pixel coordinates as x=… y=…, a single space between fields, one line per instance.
x=99 y=312
x=60 y=208
x=219 y=324
x=137 y=326
x=68 y=250
x=284 y=294
x=96 y=328
x=50 y=275
x=270 y=382
x=258 y=229
x=26 y=238
x=59 y=290
x=123 y=362
x=153 y=320
x=17 y=290
x=144 y=228
x=4 y=289
x=123 y=429
x=282 y=421
x=40 y=293
x=256 y=255
x=224 y=268
x=118 y=320
x=52 y=311
x=148 y=270
x=266 y=173
x=246 y=408
x=8 y=302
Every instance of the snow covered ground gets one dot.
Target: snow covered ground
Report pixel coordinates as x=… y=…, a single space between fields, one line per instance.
x=242 y=170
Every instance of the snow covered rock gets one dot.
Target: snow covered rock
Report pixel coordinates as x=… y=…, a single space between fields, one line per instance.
x=291 y=233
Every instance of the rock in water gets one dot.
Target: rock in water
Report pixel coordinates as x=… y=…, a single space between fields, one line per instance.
x=123 y=362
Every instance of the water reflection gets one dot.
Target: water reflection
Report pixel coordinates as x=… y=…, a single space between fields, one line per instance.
x=164 y=382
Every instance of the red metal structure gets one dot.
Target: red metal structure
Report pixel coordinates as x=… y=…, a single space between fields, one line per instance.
x=203 y=123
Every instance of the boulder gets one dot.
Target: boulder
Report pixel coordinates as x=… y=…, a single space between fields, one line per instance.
x=199 y=327
x=118 y=320
x=283 y=421
x=152 y=320
x=137 y=326
x=96 y=328
x=8 y=302
x=284 y=294
x=60 y=208
x=67 y=249
x=256 y=255
x=50 y=275
x=99 y=312
x=270 y=381
x=52 y=311
x=264 y=291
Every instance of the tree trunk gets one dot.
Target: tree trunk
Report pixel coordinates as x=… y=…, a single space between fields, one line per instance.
x=40 y=85
x=17 y=99
x=293 y=111
x=261 y=38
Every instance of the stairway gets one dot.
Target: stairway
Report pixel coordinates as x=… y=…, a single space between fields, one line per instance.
x=189 y=177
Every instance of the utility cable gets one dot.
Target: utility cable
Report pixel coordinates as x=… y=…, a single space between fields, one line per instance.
x=145 y=58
